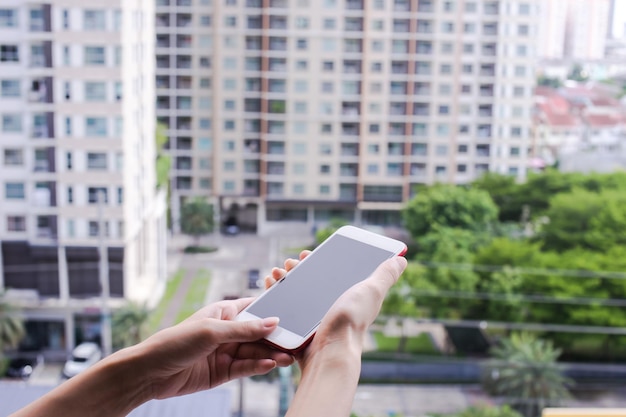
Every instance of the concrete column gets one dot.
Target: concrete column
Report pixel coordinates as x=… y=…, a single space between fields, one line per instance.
x=64 y=280
x=70 y=341
x=358 y=219
x=1 y=270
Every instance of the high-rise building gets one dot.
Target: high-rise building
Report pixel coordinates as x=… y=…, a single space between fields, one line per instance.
x=77 y=165
x=304 y=111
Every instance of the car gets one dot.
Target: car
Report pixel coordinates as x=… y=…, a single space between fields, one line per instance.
x=83 y=356
x=22 y=367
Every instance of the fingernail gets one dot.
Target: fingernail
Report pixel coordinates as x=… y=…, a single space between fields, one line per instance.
x=270 y=322
x=400 y=260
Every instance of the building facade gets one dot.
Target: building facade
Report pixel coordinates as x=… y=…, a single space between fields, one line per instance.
x=78 y=154
x=304 y=111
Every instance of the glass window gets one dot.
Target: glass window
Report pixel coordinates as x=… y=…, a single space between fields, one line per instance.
x=14 y=191
x=95 y=91
x=16 y=223
x=95 y=55
x=11 y=123
x=8 y=18
x=13 y=157
x=95 y=126
x=10 y=88
x=330 y=23
x=9 y=53
x=94 y=20
x=96 y=161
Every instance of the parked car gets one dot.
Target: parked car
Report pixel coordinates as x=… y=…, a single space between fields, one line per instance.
x=83 y=356
x=23 y=367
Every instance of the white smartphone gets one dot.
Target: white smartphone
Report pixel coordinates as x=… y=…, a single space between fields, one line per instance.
x=303 y=296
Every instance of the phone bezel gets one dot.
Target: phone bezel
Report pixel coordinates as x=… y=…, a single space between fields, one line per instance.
x=291 y=342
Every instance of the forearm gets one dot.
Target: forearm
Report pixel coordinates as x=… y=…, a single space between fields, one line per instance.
x=328 y=384
x=112 y=387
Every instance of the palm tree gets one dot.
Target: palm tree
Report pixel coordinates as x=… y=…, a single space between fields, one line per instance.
x=129 y=324
x=11 y=325
x=525 y=371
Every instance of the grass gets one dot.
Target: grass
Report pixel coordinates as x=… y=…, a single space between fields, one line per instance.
x=199 y=249
x=420 y=345
x=170 y=289
x=194 y=299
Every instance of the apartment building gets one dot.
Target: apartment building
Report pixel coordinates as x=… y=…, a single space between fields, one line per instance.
x=306 y=110
x=77 y=136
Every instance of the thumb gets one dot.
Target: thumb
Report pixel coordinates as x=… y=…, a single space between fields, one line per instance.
x=386 y=275
x=227 y=331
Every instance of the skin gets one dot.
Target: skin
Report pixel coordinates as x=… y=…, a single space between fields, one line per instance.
x=210 y=348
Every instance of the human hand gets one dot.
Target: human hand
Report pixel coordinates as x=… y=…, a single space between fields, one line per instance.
x=348 y=319
x=208 y=349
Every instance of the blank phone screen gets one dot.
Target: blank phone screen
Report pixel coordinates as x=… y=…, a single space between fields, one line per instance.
x=302 y=299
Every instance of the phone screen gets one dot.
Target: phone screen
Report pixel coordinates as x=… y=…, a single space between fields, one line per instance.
x=302 y=299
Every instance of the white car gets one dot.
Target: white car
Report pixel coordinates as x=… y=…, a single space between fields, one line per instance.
x=83 y=356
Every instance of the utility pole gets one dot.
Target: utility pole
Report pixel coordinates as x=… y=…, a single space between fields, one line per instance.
x=103 y=264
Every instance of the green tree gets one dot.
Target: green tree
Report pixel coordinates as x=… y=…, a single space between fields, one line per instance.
x=524 y=370
x=505 y=193
x=449 y=206
x=324 y=233
x=129 y=325
x=487 y=411
x=578 y=73
x=11 y=325
x=590 y=220
x=196 y=218
x=163 y=161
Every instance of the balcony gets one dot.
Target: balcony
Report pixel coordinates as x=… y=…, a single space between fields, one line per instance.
x=350 y=129
x=421 y=89
x=183 y=62
x=277 y=86
x=44 y=160
x=41 y=55
x=398 y=88
x=278 y=22
x=401 y=26
x=183 y=20
x=40 y=18
x=278 y=4
x=350 y=108
x=183 y=41
x=399 y=67
x=253 y=84
x=254 y=22
x=252 y=188
x=401 y=5
x=395 y=149
x=400 y=47
x=162 y=20
x=347 y=192
x=348 y=170
x=425 y=6
x=277 y=106
x=253 y=43
x=252 y=146
x=184 y=144
x=163 y=103
x=491 y=9
x=275 y=168
x=489 y=49
x=425 y=26
x=163 y=41
x=382 y=193
x=353 y=24
x=485 y=111
x=397 y=109
x=183 y=183
x=351 y=67
x=275 y=127
x=486 y=90
x=278 y=44
x=45 y=194
x=253 y=64
x=252 y=126
x=184 y=3
x=482 y=150
x=277 y=64
x=183 y=123
x=354 y=5
x=275 y=148
x=418 y=170
x=349 y=149
x=41 y=90
x=162 y=61
x=424 y=48
x=419 y=149
x=252 y=105
x=397 y=129
x=487 y=70
x=183 y=82
x=421 y=109
x=484 y=131
x=423 y=68
x=47 y=227
x=43 y=125
x=353 y=45
x=183 y=163
x=490 y=29
x=251 y=166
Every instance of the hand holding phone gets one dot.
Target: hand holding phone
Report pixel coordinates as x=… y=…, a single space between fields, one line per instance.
x=306 y=293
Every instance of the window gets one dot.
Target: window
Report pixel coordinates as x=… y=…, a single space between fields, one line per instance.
x=378 y=46
x=95 y=126
x=95 y=55
x=329 y=45
x=444 y=109
x=95 y=91
x=468 y=48
x=462 y=149
x=515 y=151
x=328 y=66
x=230 y=21
x=327 y=87
x=94 y=20
x=470 y=7
x=70 y=195
x=300 y=107
x=66 y=19
x=441 y=150
x=377 y=66
x=205 y=83
x=326 y=128
x=324 y=189
x=68 y=161
x=299 y=148
x=8 y=18
x=326 y=149
x=521 y=50
x=301 y=44
x=16 y=223
x=516 y=132
x=9 y=53
x=204 y=124
x=372 y=168
x=520 y=71
x=374 y=128
x=445 y=69
x=96 y=161
x=330 y=23
x=524 y=9
x=11 y=123
x=461 y=168
x=229 y=125
x=523 y=30
x=467 y=68
x=302 y=22
x=13 y=157
x=301 y=65
x=518 y=91
x=10 y=88
x=14 y=191
x=301 y=86
x=230 y=84
x=94 y=194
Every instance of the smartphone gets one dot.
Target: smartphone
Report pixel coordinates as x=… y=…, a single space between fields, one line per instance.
x=303 y=296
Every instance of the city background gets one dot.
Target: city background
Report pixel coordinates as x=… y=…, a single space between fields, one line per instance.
x=489 y=135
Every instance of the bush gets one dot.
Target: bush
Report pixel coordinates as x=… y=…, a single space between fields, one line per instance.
x=200 y=249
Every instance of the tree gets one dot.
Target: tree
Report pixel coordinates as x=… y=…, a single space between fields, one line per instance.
x=505 y=193
x=129 y=325
x=524 y=370
x=11 y=325
x=578 y=73
x=590 y=220
x=196 y=218
x=449 y=206
x=163 y=161
x=487 y=411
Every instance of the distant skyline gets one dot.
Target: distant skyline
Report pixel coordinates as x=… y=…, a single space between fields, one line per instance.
x=619 y=19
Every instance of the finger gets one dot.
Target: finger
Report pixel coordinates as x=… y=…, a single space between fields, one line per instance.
x=304 y=254
x=278 y=273
x=225 y=331
x=269 y=281
x=261 y=350
x=225 y=309
x=291 y=263
x=249 y=367
x=386 y=275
